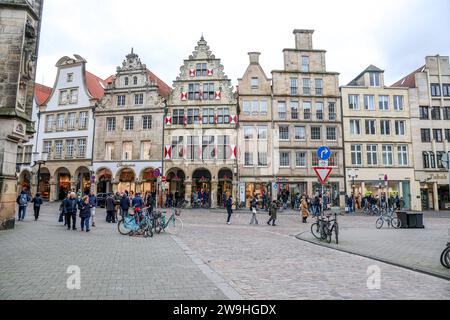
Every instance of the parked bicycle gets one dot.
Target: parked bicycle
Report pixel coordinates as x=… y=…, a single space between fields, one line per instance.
x=445 y=255
x=388 y=216
x=137 y=223
x=172 y=225
x=325 y=227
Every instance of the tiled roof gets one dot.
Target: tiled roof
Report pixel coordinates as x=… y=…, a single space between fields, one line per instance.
x=41 y=93
x=410 y=80
x=95 y=85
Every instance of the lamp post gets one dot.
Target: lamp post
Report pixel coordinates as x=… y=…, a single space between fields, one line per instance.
x=165 y=112
x=40 y=159
x=352 y=174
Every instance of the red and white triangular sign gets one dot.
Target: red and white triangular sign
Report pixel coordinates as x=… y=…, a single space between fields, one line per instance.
x=323 y=173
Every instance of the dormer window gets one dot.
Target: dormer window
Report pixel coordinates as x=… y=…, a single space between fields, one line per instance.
x=69 y=77
x=126 y=81
x=255 y=83
x=135 y=80
x=374 y=79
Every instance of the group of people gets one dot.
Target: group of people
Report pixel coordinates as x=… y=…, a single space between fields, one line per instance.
x=84 y=205
x=24 y=199
x=200 y=199
x=354 y=203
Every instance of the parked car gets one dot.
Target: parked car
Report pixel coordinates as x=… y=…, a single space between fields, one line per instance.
x=101 y=200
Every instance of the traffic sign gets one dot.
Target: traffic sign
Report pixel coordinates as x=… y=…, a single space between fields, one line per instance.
x=163 y=179
x=324 y=153
x=323 y=163
x=323 y=173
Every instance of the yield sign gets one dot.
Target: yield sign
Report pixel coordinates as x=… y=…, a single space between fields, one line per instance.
x=323 y=173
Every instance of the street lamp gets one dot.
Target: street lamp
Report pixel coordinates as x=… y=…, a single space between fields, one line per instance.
x=352 y=174
x=40 y=159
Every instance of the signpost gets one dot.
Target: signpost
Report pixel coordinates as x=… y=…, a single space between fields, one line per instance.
x=446 y=162
x=323 y=171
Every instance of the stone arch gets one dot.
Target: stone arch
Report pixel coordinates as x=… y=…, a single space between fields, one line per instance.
x=148 y=180
x=104 y=179
x=44 y=183
x=126 y=180
x=24 y=181
x=225 y=185
x=82 y=179
x=62 y=178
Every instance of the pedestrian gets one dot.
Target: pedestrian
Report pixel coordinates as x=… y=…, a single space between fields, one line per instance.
x=124 y=205
x=110 y=209
x=137 y=201
x=70 y=210
x=304 y=209
x=253 y=209
x=22 y=200
x=85 y=212
x=93 y=204
x=37 y=202
x=273 y=208
x=229 y=209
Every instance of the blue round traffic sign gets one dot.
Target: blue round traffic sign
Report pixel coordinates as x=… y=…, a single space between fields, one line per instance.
x=324 y=153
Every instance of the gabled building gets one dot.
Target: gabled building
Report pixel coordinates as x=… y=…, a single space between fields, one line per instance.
x=429 y=100
x=128 y=129
x=200 y=130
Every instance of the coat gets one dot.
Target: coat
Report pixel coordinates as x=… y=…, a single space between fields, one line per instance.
x=304 y=209
x=110 y=204
x=273 y=210
x=85 y=209
x=70 y=205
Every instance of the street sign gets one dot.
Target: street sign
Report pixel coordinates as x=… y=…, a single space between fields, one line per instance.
x=324 y=153
x=156 y=173
x=323 y=163
x=323 y=173
x=163 y=179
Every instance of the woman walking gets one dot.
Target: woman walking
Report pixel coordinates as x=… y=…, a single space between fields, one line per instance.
x=253 y=209
x=85 y=213
x=273 y=208
x=304 y=209
x=37 y=202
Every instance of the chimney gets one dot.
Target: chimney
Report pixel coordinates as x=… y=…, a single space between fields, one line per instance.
x=303 y=39
x=254 y=57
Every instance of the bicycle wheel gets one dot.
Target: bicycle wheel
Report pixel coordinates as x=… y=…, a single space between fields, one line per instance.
x=122 y=229
x=379 y=223
x=396 y=223
x=329 y=234
x=445 y=258
x=336 y=232
x=174 y=226
x=315 y=230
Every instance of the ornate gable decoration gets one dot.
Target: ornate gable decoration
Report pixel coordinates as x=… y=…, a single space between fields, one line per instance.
x=132 y=62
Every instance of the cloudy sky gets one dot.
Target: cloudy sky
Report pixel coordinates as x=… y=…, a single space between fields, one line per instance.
x=393 y=35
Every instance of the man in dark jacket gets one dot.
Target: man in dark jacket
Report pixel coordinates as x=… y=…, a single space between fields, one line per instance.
x=110 y=209
x=137 y=201
x=22 y=200
x=37 y=202
x=124 y=205
x=93 y=206
x=70 y=209
x=229 y=209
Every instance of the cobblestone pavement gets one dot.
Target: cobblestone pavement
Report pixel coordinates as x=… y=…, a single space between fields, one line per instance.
x=35 y=256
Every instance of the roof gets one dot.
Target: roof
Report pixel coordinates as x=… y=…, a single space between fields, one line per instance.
x=41 y=93
x=370 y=68
x=95 y=85
x=410 y=80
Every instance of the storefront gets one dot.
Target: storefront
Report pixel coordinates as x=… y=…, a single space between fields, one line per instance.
x=259 y=189
x=127 y=180
x=63 y=183
x=389 y=188
x=44 y=184
x=149 y=181
x=331 y=192
x=225 y=186
x=175 y=179
x=104 y=179
x=201 y=182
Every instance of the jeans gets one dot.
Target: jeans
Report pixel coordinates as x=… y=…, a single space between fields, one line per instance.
x=111 y=216
x=254 y=220
x=36 y=212
x=22 y=212
x=229 y=215
x=271 y=220
x=72 y=216
x=93 y=215
x=85 y=223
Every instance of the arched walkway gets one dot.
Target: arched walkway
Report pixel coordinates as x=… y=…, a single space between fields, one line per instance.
x=149 y=181
x=44 y=184
x=83 y=180
x=225 y=186
x=126 y=178
x=175 y=179
x=201 y=185
x=104 y=180
x=63 y=182
x=25 y=181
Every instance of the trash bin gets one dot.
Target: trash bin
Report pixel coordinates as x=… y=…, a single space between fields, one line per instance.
x=411 y=220
x=403 y=217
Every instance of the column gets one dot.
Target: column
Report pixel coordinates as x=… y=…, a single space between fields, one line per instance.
x=309 y=188
x=214 y=190
x=53 y=193
x=115 y=187
x=138 y=187
x=188 y=191
x=435 y=197
x=94 y=187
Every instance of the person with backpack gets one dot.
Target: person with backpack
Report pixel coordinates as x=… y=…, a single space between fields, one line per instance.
x=37 y=202
x=22 y=200
x=85 y=212
x=70 y=210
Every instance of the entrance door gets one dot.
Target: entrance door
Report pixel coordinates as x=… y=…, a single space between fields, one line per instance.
x=424 y=199
x=407 y=194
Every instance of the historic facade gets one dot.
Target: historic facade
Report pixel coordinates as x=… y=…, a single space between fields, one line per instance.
x=200 y=149
x=377 y=137
x=19 y=42
x=66 y=129
x=429 y=96
x=128 y=129
x=306 y=114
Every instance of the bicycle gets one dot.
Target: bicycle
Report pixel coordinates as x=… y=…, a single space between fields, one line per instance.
x=173 y=225
x=324 y=228
x=136 y=223
x=388 y=216
x=445 y=255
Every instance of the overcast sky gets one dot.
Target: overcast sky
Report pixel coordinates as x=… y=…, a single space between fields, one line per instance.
x=393 y=35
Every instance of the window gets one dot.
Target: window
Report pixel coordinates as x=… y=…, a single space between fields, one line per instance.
x=47 y=147
x=74 y=96
x=300 y=159
x=121 y=100
x=178 y=147
x=127 y=151
x=19 y=154
x=49 y=122
x=306 y=87
x=446 y=112
x=248 y=132
x=201 y=70
x=248 y=158
x=262 y=159
x=435 y=90
x=436 y=113
x=331 y=134
x=374 y=79
x=81 y=148
x=255 y=108
x=284 y=132
x=307 y=110
x=315 y=159
x=146 y=122
x=387 y=155
x=262 y=132
x=135 y=80
x=126 y=81
x=27 y=154
x=356 y=154
x=193 y=116
x=426 y=160
x=263 y=107
x=223 y=146
x=109 y=151
x=333 y=161
x=83 y=120
x=446 y=90
x=440 y=163
x=208 y=91
x=294 y=110
x=294 y=86
x=332 y=111
x=400 y=128
x=63 y=97
x=300 y=133
x=424 y=113
x=319 y=110
x=70 y=147
x=208 y=116
x=58 y=149
x=372 y=156
x=402 y=155
x=128 y=123
x=284 y=159
x=223 y=115
x=353 y=102
x=110 y=124
x=139 y=99
x=282 y=110
x=385 y=127
x=425 y=135
x=447 y=134
x=432 y=160
x=383 y=102
x=246 y=107
x=316 y=133
x=69 y=77
x=194 y=91
x=69 y=96
x=398 y=103
x=255 y=83
x=208 y=147
x=71 y=122
x=178 y=116
x=355 y=128
x=319 y=87
x=369 y=103
x=437 y=135
x=371 y=127
x=60 y=122
x=305 y=64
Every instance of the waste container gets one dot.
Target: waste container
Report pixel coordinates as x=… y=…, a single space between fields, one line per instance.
x=411 y=220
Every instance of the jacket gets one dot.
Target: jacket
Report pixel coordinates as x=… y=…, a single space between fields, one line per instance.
x=70 y=206
x=37 y=201
x=110 y=204
x=273 y=210
x=85 y=209
x=304 y=209
x=18 y=199
x=93 y=201
x=125 y=203
x=137 y=202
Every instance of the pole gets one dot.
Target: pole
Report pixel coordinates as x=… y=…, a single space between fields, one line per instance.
x=38 y=177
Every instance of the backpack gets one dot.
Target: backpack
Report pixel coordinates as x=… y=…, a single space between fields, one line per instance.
x=23 y=200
